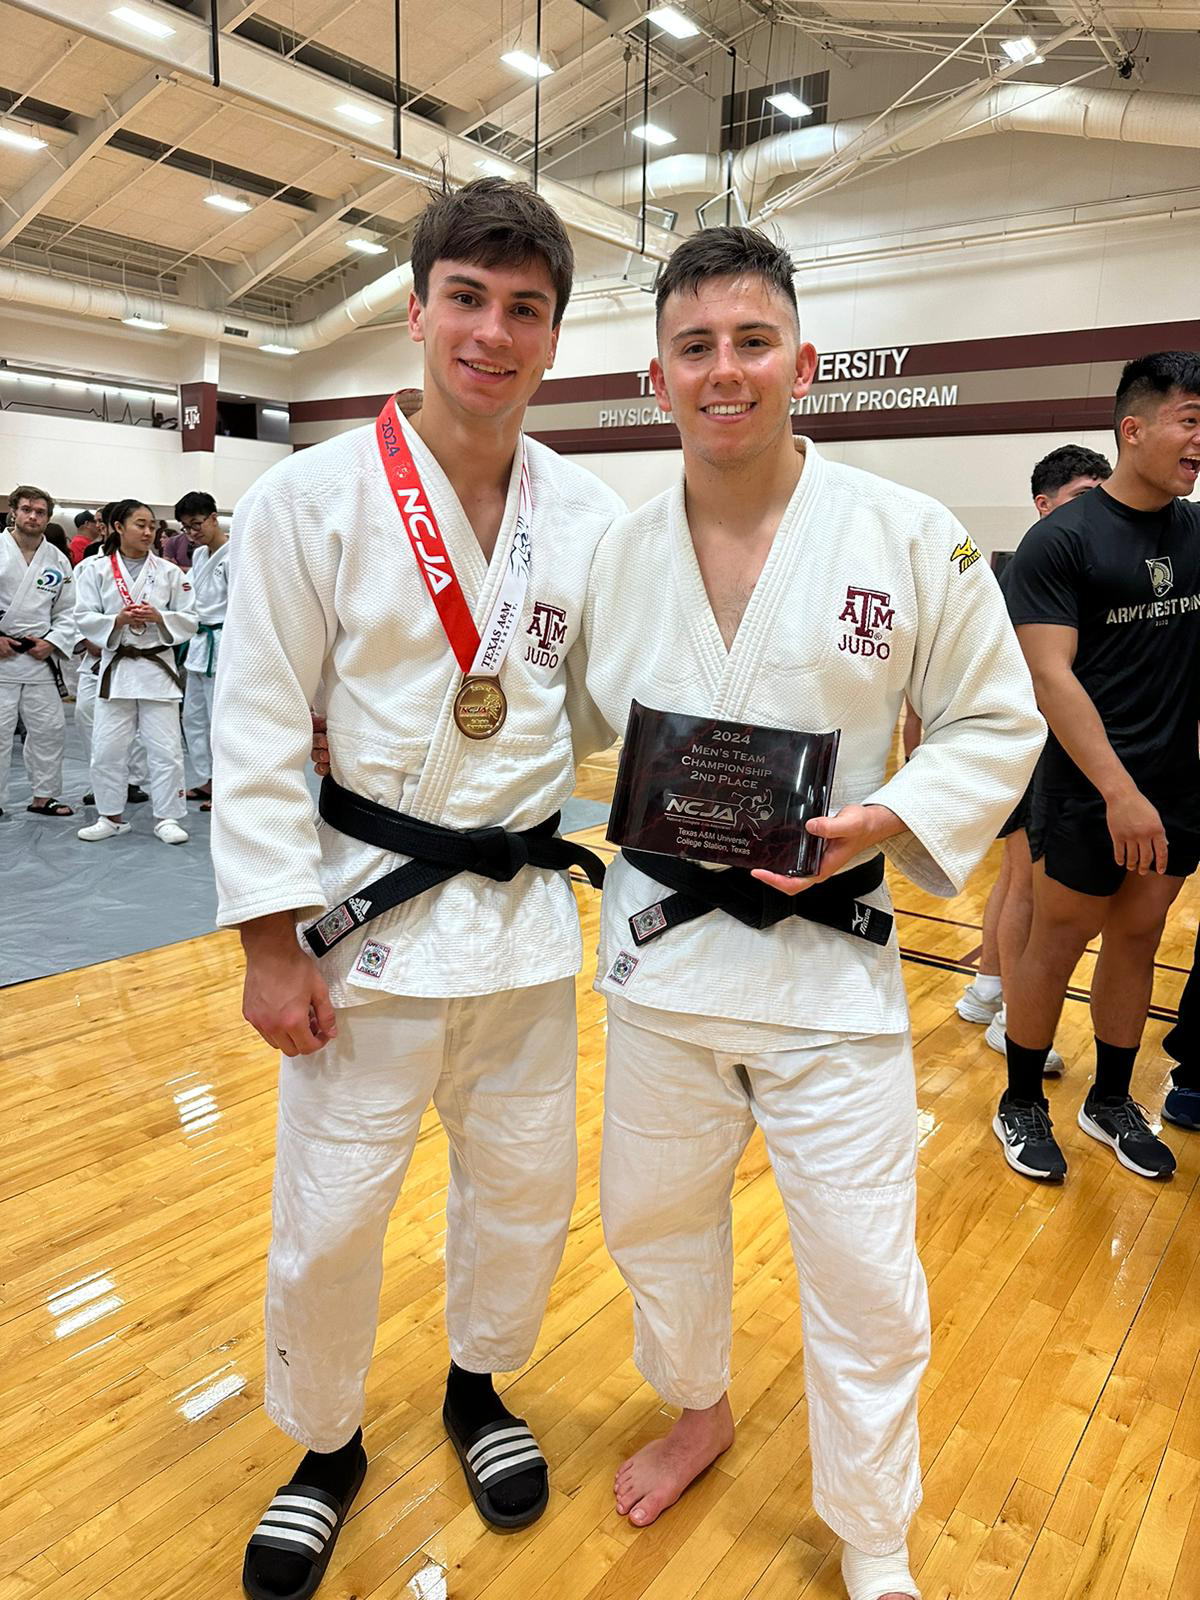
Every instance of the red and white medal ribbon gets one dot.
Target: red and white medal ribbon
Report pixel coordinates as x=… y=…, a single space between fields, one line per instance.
x=127 y=599
x=478 y=655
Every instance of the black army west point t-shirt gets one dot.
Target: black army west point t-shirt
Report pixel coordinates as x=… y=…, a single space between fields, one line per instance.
x=1129 y=582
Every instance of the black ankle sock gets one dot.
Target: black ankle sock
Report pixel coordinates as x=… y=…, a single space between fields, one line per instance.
x=1114 y=1071
x=335 y=1472
x=472 y=1402
x=1025 y=1067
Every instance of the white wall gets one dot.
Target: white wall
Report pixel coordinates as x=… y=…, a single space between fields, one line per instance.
x=87 y=463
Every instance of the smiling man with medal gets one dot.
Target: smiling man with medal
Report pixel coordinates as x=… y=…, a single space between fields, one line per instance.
x=422 y=943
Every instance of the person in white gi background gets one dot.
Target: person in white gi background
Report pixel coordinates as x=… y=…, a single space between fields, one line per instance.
x=776 y=587
x=424 y=582
x=196 y=514
x=87 y=687
x=135 y=606
x=37 y=599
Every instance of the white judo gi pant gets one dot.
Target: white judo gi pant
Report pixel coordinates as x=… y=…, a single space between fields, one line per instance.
x=197 y=723
x=41 y=710
x=117 y=723
x=87 y=691
x=840 y=1123
x=500 y=1069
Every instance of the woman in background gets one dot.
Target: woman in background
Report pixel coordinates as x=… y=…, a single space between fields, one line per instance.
x=135 y=606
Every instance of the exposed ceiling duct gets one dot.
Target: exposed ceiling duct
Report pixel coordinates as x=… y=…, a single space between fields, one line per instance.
x=1133 y=116
x=19 y=287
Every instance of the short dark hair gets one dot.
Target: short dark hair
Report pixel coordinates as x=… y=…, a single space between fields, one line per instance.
x=493 y=223
x=725 y=253
x=1064 y=465
x=82 y=518
x=196 y=503
x=29 y=491
x=1152 y=378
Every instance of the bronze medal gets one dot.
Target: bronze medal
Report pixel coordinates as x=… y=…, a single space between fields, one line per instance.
x=480 y=708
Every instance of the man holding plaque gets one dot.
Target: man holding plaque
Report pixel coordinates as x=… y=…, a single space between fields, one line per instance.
x=423 y=943
x=773 y=589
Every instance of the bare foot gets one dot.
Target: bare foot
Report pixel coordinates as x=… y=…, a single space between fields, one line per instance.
x=657 y=1475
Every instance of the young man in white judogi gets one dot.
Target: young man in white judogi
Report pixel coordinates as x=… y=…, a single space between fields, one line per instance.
x=424 y=581
x=136 y=606
x=775 y=587
x=197 y=516
x=37 y=600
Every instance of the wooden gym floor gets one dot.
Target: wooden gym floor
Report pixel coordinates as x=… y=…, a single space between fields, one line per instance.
x=1061 y=1413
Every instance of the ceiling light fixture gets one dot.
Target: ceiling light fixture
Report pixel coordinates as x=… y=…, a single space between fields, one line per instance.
x=279 y=349
x=531 y=66
x=21 y=141
x=673 y=21
x=790 y=104
x=227 y=202
x=138 y=19
x=367 y=247
x=369 y=119
x=144 y=322
x=1023 y=52
x=652 y=133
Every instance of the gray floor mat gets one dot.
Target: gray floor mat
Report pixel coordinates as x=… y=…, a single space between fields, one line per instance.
x=67 y=904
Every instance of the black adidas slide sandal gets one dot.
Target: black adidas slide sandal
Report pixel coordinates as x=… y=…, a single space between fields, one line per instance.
x=301 y=1522
x=493 y=1454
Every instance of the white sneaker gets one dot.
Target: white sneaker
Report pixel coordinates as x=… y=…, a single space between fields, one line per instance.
x=995 y=1038
x=972 y=1007
x=170 y=832
x=102 y=829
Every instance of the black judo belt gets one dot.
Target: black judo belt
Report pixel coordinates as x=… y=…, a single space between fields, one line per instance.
x=438 y=854
x=25 y=644
x=133 y=652
x=834 y=903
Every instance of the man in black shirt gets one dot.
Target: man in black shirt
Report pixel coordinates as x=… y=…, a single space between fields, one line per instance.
x=1105 y=596
x=1059 y=477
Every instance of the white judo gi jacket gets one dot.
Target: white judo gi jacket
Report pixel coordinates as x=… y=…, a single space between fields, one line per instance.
x=37 y=600
x=327 y=606
x=870 y=590
x=98 y=600
x=209 y=576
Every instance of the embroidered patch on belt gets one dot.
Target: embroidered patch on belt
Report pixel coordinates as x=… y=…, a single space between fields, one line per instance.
x=645 y=923
x=334 y=923
x=623 y=968
x=372 y=958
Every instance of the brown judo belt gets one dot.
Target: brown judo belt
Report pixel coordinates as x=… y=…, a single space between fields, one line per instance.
x=130 y=652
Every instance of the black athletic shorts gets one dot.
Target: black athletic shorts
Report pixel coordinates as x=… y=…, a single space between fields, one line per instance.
x=1069 y=834
x=1020 y=816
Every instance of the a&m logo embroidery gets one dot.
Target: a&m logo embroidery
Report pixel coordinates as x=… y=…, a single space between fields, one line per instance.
x=623 y=968
x=966 y=554
x=872 y=615
x=372 y=959
x=1161 y=576
x=549 y=627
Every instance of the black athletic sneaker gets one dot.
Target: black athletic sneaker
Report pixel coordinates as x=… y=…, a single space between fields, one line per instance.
x=135 y=795
x=1029 y=1147
x=1124 y=1125
x=1182 y=1107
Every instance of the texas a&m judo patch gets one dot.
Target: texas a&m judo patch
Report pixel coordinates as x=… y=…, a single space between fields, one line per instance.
x=372 y=958
x=623 y=968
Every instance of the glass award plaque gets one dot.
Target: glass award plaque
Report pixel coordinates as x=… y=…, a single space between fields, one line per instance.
x=729 y=793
